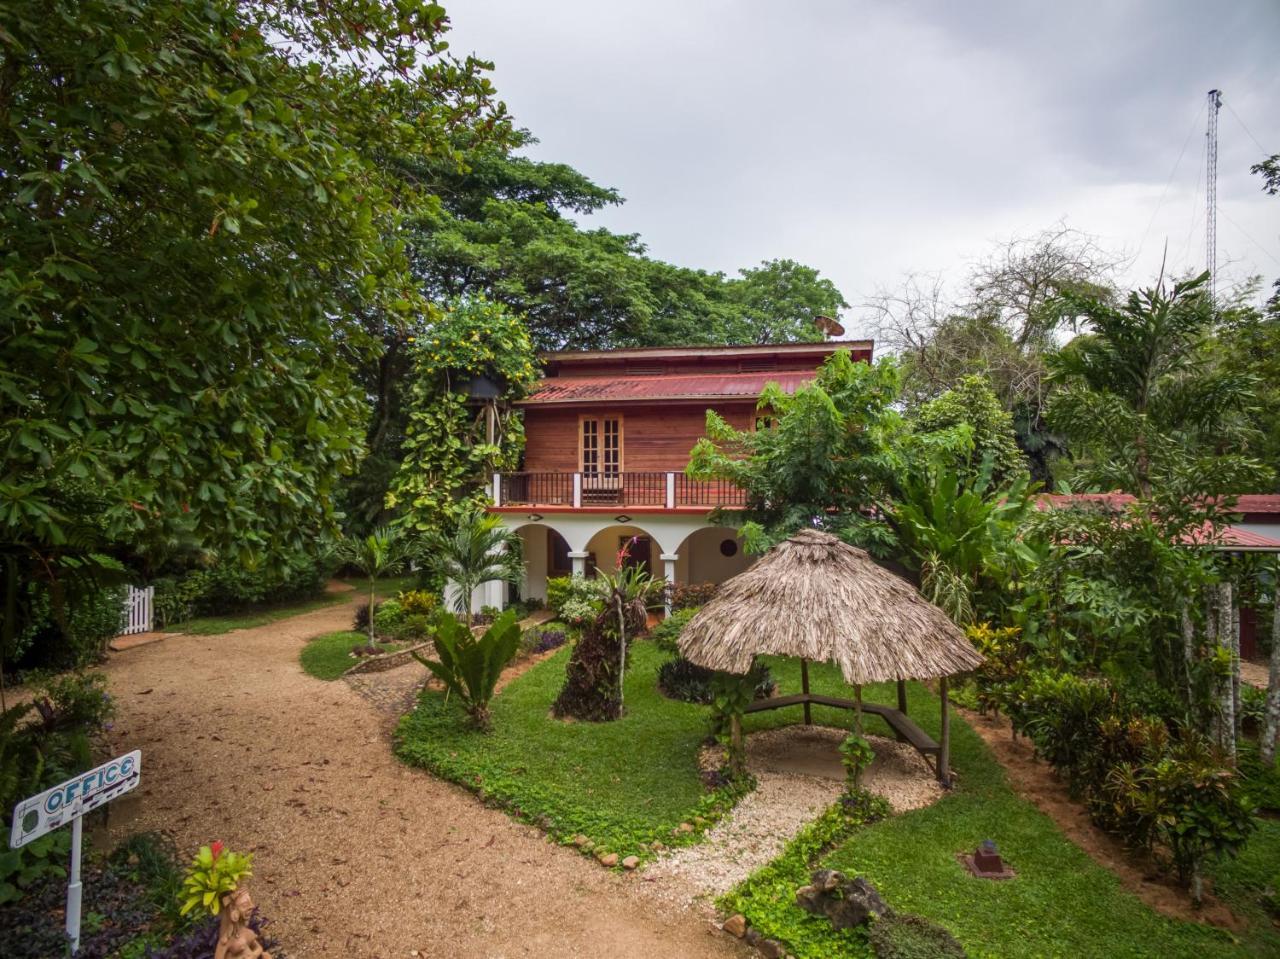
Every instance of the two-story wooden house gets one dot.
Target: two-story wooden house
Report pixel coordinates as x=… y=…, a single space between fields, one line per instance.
x=608 y=436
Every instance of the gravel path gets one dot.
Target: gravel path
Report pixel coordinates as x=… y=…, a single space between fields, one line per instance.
x=798 y=775
x=355 y=854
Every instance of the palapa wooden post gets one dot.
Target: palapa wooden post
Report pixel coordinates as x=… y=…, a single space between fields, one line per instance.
x=857 y=713
x=944 y=754
x=902 y=706
x=737 y=747
x=804 y=685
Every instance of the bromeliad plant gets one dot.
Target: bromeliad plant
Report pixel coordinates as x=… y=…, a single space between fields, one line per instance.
x=214 y=872
x=468 y=666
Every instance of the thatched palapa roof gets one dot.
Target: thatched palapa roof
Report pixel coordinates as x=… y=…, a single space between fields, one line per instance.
x=817 y=598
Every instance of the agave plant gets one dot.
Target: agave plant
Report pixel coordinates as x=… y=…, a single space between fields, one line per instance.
x=469 y=666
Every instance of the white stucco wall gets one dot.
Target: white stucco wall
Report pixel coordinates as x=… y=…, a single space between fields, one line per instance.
x=706 y=564
x=535 y=562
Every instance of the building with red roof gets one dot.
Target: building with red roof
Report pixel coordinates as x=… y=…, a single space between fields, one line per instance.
x=608 y=435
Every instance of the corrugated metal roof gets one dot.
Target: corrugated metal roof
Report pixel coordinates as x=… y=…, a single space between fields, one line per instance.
x=1258 y=503
x=1227 y=537
x=694 y=386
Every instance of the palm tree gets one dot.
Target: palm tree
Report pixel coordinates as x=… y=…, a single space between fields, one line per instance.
x=479 y=550
x=384 y=552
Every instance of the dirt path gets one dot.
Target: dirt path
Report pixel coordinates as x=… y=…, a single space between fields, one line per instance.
x=356 y=855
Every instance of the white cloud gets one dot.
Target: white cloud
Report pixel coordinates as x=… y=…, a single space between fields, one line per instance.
x=872 y=139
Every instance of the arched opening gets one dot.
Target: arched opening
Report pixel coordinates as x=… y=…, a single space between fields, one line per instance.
x=546 y=556
x=642 y=550
x=711 y=555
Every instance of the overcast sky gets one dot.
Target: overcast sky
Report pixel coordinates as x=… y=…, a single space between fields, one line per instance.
x=874 y=139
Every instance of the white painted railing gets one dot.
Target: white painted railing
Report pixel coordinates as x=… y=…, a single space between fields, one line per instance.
x=137 y=610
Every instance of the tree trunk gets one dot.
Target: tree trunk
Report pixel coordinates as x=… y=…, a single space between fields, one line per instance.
x=1226 y=721
x=373 y=589
x=1188 y=653
x=1271 y=725
x=1237 y=713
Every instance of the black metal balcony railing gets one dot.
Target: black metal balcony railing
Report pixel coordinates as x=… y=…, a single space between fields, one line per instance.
x=668 y=490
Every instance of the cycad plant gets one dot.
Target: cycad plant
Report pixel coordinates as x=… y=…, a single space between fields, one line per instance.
x=384 y=552
x=468 y=666
x=479 y=550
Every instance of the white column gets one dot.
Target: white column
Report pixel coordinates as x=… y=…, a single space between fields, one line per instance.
x=671 y=491
x=497 y=489
x=579 y=558
x=669 y=571
x=577 y=491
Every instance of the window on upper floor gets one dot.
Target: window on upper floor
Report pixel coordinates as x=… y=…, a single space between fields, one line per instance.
x=600 y=445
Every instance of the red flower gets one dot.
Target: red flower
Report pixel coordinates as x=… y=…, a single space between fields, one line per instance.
x=215 y=847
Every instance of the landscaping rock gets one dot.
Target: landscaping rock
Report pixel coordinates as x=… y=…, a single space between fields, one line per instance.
x=631 y=862
x=736 y=925
x=609 y=859
x=771 y=949
x=753 y=936
x=580 y=841
x=845 y=902
x=685 y=827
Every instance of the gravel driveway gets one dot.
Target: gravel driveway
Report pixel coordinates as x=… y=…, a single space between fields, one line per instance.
x=355 y=854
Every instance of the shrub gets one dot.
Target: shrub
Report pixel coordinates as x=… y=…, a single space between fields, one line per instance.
x=666 y=634
x=415 y=626
x=72 y=701
x=488 y=614
x=856 y=755
x=692 y=595
x=574 y=599
x=680 y=679
x=80 y=640
x=388 y=618
x=418 y=602
x=900 y=936
x=545 y=640
x=470 y=667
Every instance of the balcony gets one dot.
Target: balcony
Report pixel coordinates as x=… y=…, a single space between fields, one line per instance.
x=613 y=490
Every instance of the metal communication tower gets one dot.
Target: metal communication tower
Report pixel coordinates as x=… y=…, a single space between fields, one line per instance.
x=1211 y=192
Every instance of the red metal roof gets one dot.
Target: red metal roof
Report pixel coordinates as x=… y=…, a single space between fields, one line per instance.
x=693 y=386
x=1228 y=537
x=1245 y=502
x=1258 y=503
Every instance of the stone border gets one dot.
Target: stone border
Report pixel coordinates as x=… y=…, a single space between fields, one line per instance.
x=384 y=661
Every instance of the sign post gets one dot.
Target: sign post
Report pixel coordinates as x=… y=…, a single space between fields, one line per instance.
x=68 y=802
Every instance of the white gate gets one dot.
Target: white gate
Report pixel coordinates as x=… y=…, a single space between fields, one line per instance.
x=137 y=610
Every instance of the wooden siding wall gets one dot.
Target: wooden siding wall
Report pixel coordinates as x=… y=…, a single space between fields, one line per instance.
x=654 y=438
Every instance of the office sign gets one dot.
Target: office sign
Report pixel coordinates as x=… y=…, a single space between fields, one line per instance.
x=56 y=807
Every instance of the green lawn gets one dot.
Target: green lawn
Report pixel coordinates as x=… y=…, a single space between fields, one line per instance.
x=216 y=625
x=626 y=783
x=623 y=784
x=1061 y=903
x=328 y=657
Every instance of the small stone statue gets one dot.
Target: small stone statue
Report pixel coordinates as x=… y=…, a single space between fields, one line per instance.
x=235 y=939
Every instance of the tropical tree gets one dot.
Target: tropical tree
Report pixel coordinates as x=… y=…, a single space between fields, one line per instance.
x=384 y=552
x=780 y=302
x=1141 y=404
x=457 y=425
x=988 y=442
x=597 y=668
x=823 y=455
x=195 y=210
x=959 y=533
x=478 y=550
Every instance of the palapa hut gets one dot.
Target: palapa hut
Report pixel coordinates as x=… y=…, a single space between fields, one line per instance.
x=817 y=598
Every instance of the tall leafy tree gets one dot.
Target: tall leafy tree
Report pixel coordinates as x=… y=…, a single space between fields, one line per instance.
x=1141 y=404
x=826 y=457
x=779 y=302
x=983 y=430
x=196 y=207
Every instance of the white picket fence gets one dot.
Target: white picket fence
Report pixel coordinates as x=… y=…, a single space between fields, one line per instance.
x=137 y=610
